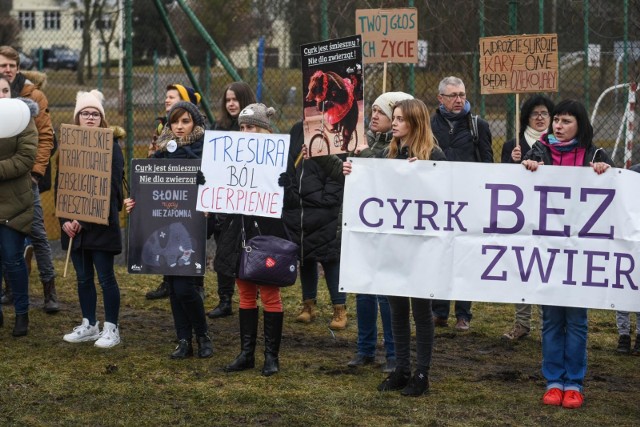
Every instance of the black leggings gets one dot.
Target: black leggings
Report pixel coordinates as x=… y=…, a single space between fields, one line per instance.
x=401 y=326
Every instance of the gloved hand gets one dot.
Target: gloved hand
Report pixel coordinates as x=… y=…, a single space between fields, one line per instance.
x=200 y=180
x=284 y=180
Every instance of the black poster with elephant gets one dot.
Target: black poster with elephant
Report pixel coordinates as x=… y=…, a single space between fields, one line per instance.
x=166 y=234
x=333 y=107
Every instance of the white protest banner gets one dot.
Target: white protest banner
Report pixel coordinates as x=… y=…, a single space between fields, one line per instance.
x=241 y=170
x=498 y=233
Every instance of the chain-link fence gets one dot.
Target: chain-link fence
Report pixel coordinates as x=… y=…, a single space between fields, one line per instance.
x=258 y=41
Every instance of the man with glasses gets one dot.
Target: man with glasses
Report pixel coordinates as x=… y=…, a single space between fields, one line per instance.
x=464 y=138
x=29 y=88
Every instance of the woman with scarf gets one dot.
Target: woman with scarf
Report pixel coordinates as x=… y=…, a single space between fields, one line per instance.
x=412 y=140
x=569 y=142
x=534 y=121
x=184 y=139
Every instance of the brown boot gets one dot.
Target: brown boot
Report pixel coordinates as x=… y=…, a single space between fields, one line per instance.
x=339 y=320
x=308 y=312
x=50 y=297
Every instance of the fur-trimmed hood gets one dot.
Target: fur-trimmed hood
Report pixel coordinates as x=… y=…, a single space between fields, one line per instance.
x=36 y=78
x=118 y=132
x=33 y=107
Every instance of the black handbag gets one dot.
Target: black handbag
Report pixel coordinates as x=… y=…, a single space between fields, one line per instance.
x=268 y=260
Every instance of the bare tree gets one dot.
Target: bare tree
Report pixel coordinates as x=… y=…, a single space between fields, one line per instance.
x=107 y=30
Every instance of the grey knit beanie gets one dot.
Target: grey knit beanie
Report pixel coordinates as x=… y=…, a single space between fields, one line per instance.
x=258 y=115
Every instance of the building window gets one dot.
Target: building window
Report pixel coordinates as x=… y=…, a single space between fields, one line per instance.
x=52 y=20
x=104 y=23
x=27 y=20
x=78 y=21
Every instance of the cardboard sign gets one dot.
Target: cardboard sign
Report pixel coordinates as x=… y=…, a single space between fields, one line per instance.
x=166 y=233
x=241 y=171
x=388 y=35
x=333 y=107
x=519 y=64
x=84 y=173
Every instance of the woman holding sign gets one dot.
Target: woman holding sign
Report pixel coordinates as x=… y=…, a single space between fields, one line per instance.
x=564 y=329
x=184 y=139
x=235 y=97
x=18 y=146
x=254 y=118
x=95 y=245
x=412 y=140
x=535 y=117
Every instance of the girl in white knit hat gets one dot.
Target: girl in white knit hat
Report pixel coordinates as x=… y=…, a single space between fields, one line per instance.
x=94 y=246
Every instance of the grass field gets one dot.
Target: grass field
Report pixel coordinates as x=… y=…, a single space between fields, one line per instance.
x=477 y=379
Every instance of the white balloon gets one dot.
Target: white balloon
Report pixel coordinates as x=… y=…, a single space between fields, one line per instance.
x=14 y=117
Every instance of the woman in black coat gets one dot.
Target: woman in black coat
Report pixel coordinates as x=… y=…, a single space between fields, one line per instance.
x=184 y=139
x=311 y=214
x=95 y=245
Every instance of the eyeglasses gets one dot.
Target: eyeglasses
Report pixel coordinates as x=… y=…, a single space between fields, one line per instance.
x=536 y=114
x=86 y=115
x=453 y=96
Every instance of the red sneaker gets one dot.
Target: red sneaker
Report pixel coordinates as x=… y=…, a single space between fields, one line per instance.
x=553 y=396
x=572 y=399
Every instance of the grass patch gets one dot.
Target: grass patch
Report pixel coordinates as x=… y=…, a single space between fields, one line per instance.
x=476 y=379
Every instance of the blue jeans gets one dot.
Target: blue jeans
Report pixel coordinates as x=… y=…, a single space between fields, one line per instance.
x=13 y=265
x=441 y=309
x=39 y=240
x=367 y=315
x=309 y=280
x=564 y=347
x=84 y=261
x=187 y=307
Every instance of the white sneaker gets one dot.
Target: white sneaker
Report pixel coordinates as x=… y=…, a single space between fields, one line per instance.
x=84 y=332
x=109 y=337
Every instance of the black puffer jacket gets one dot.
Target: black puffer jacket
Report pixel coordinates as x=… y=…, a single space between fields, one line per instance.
x=542 y=153
x=457 y=141
x=312 y=218
x=98 y=236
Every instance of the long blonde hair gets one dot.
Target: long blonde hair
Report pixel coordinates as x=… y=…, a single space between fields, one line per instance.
x=420 y=139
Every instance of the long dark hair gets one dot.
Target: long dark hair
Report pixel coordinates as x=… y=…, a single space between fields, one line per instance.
x=576 y=109
x=527 y=108
x=244 y=95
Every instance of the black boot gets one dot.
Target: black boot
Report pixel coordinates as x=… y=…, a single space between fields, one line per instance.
x=183 y=350
x=205 y=346
x=161 y=292
x=223 y=309
x=272 y=338
x=624 y=344
x=50 y=297
x=248 y=333
x=418 y=384
x=22 y=325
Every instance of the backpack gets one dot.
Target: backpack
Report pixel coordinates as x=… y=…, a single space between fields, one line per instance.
x=473 y=128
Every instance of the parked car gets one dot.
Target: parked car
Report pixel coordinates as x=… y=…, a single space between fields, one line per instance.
x=57 y=57
x=64 y=59
x=26 y=63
